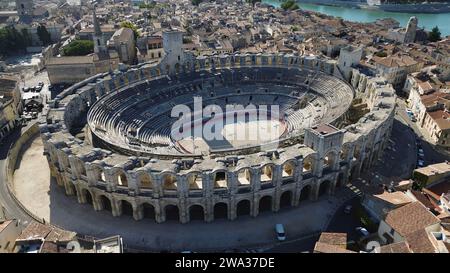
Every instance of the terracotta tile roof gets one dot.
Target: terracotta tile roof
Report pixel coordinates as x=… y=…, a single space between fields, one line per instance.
x=327 y=248
x=410 y=218
x=331 y=238
x=395 y=61
x=33 y=231
x=420 y=242
x=441 y=118
x=400 y=247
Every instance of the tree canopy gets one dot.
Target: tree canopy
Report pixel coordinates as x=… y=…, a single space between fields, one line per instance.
x=196 y=2
x=12 y=40
x=79 y=48
x=44 y=35
x=434 y=35
x=289 y=5
x=131 y=26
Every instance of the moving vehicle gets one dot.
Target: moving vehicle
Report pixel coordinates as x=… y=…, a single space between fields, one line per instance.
x=420 y=163
x=281 y=234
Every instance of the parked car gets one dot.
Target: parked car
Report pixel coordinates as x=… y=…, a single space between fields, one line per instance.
x=41 y=84
x=348 y=209
x=281 y=234
x=420 y=163
x=26 y=89
x=362 y=231
x=38 y=88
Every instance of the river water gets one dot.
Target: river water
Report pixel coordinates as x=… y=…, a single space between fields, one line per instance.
x=428 y=21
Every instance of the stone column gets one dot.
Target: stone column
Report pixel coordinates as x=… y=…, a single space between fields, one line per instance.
x=138 y=211
x=116 y=207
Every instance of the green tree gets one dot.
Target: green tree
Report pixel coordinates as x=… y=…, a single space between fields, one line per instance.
x=44 y=35
x=79 y=48
x=131 y=26
x=434 y=35
x=196 y=2
x=289 y=5
x=12 y=40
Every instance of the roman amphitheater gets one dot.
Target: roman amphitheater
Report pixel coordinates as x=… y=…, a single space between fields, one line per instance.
x=109 y=139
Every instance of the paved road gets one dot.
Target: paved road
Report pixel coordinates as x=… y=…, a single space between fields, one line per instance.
x=12 y=209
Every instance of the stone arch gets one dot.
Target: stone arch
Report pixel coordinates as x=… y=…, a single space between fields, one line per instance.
x=106 y=203
x=288 y=169
x=267 y=173
x=244 y=177
x=122 y=179
x=88 y=196
x=325 y=187
x=220 y=179
x=172 y=212
x=286 y=199
x=99 y=173
x=127 y=208
x=243 y=207
x=144 y=180
x=149 y=211
x=195 y=181
x=169 y=181
x=265 y=203
x=308 y=164
x=330 y=159
x=196 y=212
x=305 y=193
x=220 y=210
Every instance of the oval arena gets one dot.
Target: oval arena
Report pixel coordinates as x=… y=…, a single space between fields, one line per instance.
x=109 y=139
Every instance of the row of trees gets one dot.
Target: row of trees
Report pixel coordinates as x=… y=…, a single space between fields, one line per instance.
x=79 y=48
x=13 y=40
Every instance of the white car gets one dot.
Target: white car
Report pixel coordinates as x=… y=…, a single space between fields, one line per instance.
x=420 y=163
x=281 y=234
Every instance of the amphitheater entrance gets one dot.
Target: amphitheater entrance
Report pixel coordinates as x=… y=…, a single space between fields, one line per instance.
x=265 y=203
x=172 y=213
x=305 y=193
x=127 y=208
x=286 y=199
x=325 y=187
x=149 y=211
x=220 y=211
x=243 y=208
x=196 y=212
x=88 y=196
x=106 y=203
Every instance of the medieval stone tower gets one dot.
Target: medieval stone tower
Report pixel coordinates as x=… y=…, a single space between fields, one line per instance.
x=411 y=28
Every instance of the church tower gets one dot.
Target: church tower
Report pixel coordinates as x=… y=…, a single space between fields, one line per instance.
x=411 y=28
x=99 y=39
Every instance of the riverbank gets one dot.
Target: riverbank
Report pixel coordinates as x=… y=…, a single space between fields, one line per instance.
x=370 y=14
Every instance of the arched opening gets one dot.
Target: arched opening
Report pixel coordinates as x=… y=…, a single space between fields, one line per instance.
x=122 y=180
x=100 y=175
x=195 y=181
x=82 y=169
x=145 y=181
x=72 y=188
x=288 y=169
x=172 y=213
x=196 y=212
x=305 y=193
x=220 y=211
x=365 y=165
x=169 y=182
x=265 y=203
x=266 y=174
x=243 y=208
x=329 y=160
x=307 y=165
x=357 y=152
x=88 y=197
x=343 y=154
x=324 y=187
x=127 y=208
x=149 y=211
x=244 y=177
x=286 y=199
x=106 y=203
x=220 y=180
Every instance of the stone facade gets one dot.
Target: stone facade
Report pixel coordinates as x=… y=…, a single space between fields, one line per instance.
x=220 y=186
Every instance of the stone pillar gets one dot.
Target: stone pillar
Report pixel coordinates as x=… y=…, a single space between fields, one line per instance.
x=255 y=179
x=159 y=213
x=80 y=196
x=255 y=210
x=232 y=208
x=138 y=211
x=116 y=207
x=315 y=191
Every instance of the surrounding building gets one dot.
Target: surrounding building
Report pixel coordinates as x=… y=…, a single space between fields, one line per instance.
x=10 y=104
